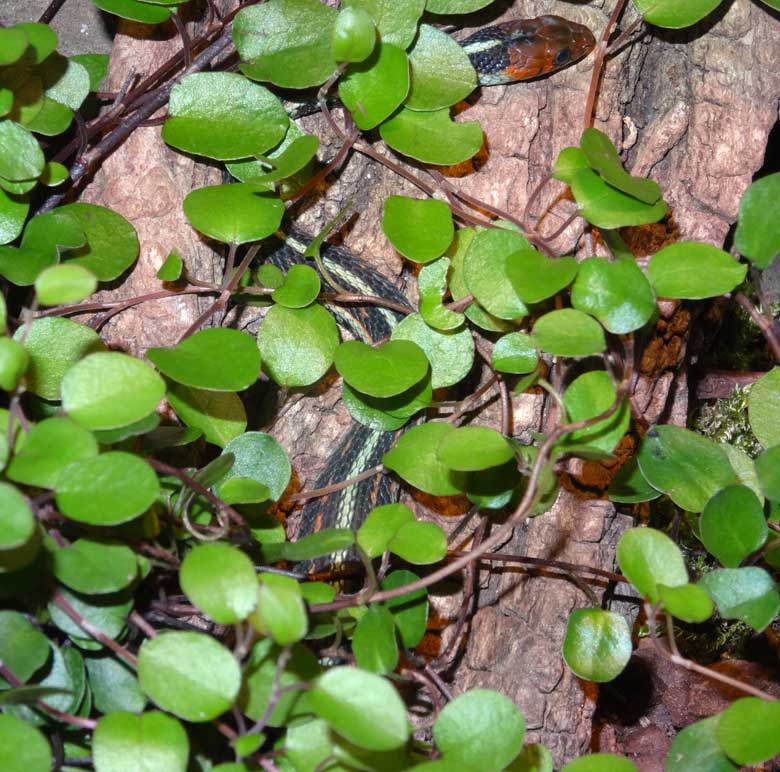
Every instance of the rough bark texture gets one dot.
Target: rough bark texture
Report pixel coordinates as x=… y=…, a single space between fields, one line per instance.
x=691 y=109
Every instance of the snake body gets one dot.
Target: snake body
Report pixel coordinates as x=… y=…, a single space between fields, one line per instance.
x=504 y=53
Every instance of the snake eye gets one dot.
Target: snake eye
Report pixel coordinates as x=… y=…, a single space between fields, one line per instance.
x=562 y=56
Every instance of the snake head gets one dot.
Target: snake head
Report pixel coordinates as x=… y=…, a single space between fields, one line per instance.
x=527 y=48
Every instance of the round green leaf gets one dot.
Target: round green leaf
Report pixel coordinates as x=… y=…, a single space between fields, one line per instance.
x=95 y=567
x=757 y=235
x=297 y=344
x=112 y=243
x=361 y=707
x=13 y=213
x=747 y=730
x=301 y=287
x=420 y=229
x=764 y=408
x=14 y=361
x=599 y=762
x=414 y=458
x=22 y=747
x=587 y=396
x=675 y=15
x=432 y=287
x=372 y=90
x=648 y=558
x=152 y=742
x=220 y=580
x=768 y=472
x=687 y=602
x=432 y=137
x=569 y=333
x=419 y=543
x=732 y=525
x=389 y=413
x=220 y=415
x=21 y=157
x=687 y=466
x=258 y=456
x=287 y=42
x=23 y=648
x=66 y=283
x=18 y=524
x=107 y=613
x=409 y=611
x=473 y=448
x=450 y=353
x=697 y=748
x=219 y=359
x=13 y=43
x=380 y=526
x=396 y=20
x=135 y=10
x=536 y=277
x=354 y=35
x=107 y=490
x=597 y=644
x=385 y=371
x=223 y=115
x=442 y=74
x=54 y=174
x=373 y=642
x=189 y=674
x=694 y=270
x=480 y=729
x=515 y=353
x=20 y=557
x=114 y=685
x=617 y=294
x=749 y=594
x=235 y=213
x=108 y=390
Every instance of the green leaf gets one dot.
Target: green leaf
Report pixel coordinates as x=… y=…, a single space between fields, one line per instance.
x=385 y=371
x=297 y=344
x=533 y=758
x=18 y=524
x=599 y=762
x=758 y=235
x=280 y=611
x=597 y=644
x=108 y=390
x=372 y=90
x=240 y=490
x=373 y=642
x=419 y=543
x=287 y=42
x=96 y=66
x=414 y=458
x=172 y=267
x=515 y=353
x=189 y=674
x=114 y=686
x=694 y=270
x=380 y=526
x=153 y=742
x=220 y=580
x=764 y=408
x=260 y=457
x=13 y=43
x=442 y=74
x=420 y=229
x=66 y=81
x=300 y=289
x=107 y=613
x=480 y=729
x=94 y=566
x=13 y=213
x=15 y=559
x=768 y=472
x=432 y=137
x=450 y=353
x=648 y=558
x=389 y=413
x=748 y=594
x=747 y=730
x=536 y=277
x=290 y=157
x=673 y=14
x=109 y=489
x=14 y=361
x=314 y=545
x=354 y=35
x=361 y=707
x=22 y=747
x=455 y=6
x=21 y=157
x=432 y=287
x=396 y=20
x=687 y=602
x=617 y=294
x=219 y=359
x=732 y=525
x=473 y=448
x=135 y=10
x=697 y=749
x=67 y=283
x=410 y=611
x=569 y=333
x=602 y=156
x=23 y=648
x=219 y=415
x=588 y=396
x=223 y=115
x=54 y=174
x=687 y=466
x=234 y=214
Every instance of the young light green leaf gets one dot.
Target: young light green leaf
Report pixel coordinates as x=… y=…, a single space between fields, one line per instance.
x=380 y=526
x=301 y=287
x=569 y=333
x=14 y=361
x=135 y=10
x=354 y=35
x=599 y=762
x=516 y=353
x=597 y=644
x=18 y=523
x=314 y=545
x=66 y=283
x=687 y=602
x=473 y=448
x=648 y=558
x=396 y=20
x=420 y=229
x=280 y=610
x=419 y=543
x=22 y=747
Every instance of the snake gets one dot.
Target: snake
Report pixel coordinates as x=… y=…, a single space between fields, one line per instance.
x=512 y=51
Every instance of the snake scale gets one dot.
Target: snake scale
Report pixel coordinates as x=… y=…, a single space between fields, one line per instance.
x=504 y=53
